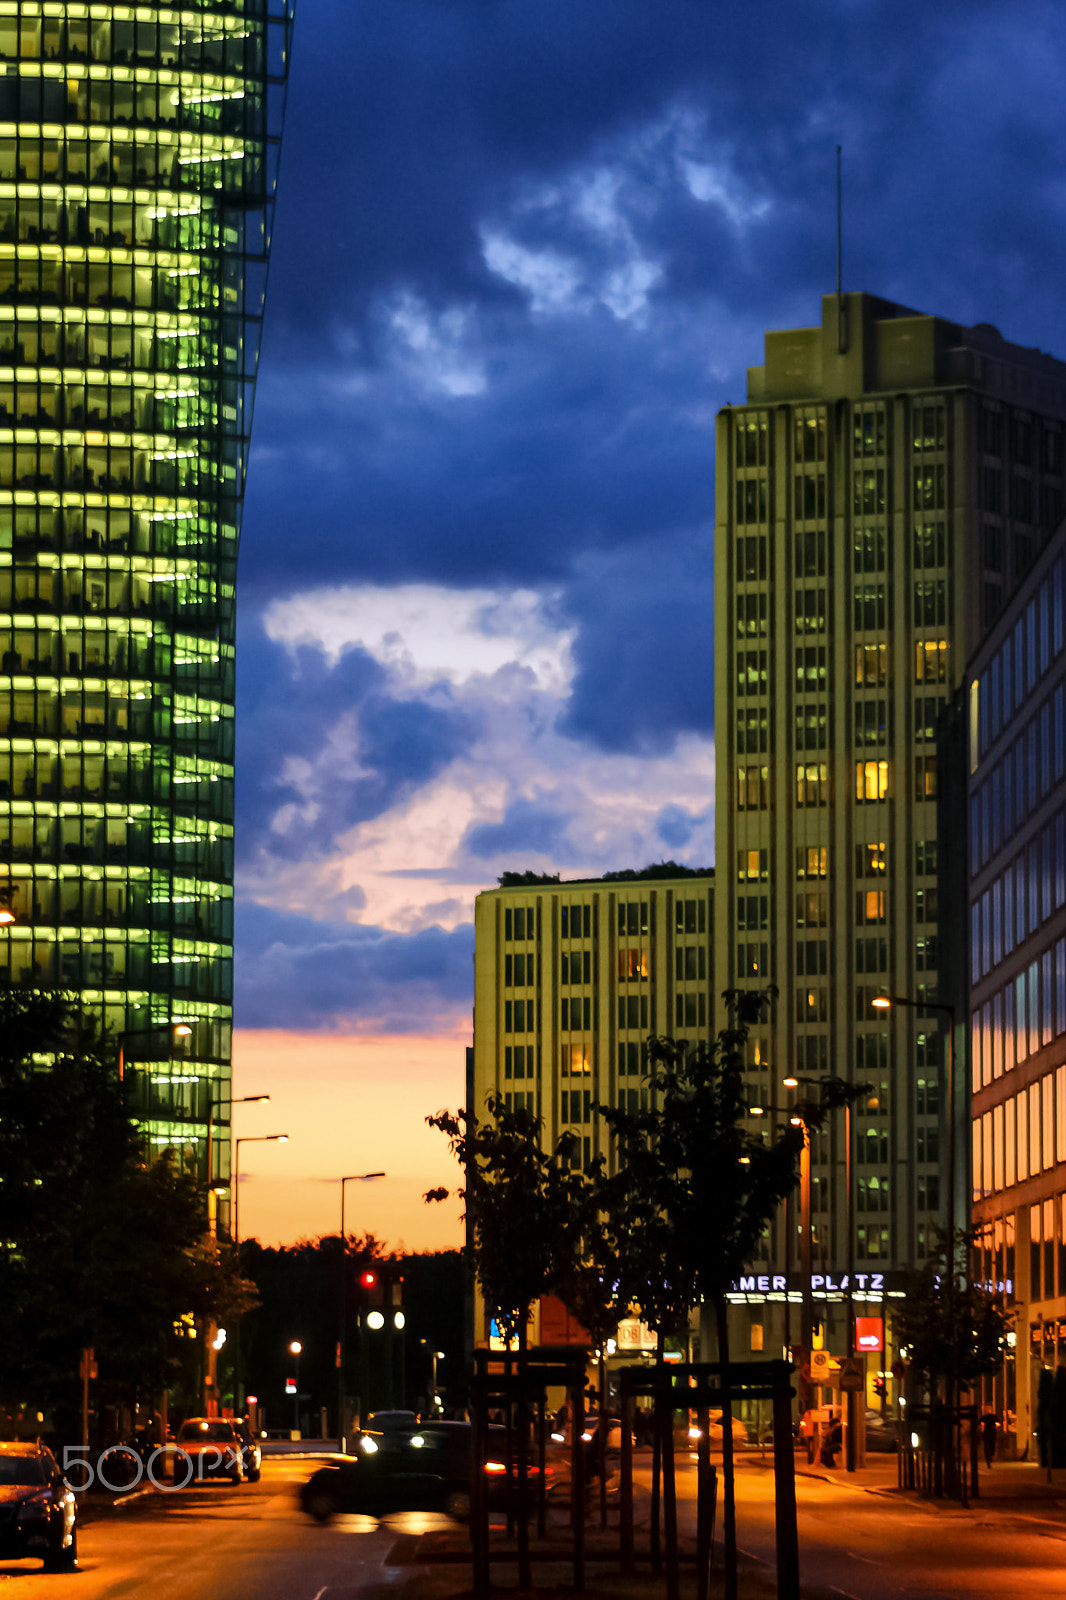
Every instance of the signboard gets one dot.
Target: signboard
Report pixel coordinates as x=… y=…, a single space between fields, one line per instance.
x=633 y=1335
x=869 y=1333
x=557 y=1326
x=821 y=1366
x=852 y=1374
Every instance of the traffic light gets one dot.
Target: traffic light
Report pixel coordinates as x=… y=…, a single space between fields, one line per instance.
x=373 y=1288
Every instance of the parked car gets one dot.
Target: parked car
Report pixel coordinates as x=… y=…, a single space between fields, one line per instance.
x=38 y=1510
x=212 y=1448
x=421 y=1467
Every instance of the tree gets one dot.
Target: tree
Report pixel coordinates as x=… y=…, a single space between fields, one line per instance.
x=99 y=1247
x=952 y=1328
x=524 y=1206
x=695 y=1190
x=954 y=1332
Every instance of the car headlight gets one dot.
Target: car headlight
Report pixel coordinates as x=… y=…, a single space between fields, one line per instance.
x=31 y=1510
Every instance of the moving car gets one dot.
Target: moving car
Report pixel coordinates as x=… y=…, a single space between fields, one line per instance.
x=38 y=1511
x=691 y=1434
x=251 y=1453
x=420 y=1467
x=209 y=1447
x=882 y=1435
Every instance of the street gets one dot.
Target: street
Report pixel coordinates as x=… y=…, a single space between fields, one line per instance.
x=880 y=1546
x=251 y=1542
x=245 y=1542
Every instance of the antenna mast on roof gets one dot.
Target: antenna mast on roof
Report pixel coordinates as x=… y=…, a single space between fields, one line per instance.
x=842 y=339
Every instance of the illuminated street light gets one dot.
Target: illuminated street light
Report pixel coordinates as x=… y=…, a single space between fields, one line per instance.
x=342 y=1333
x=252 y=1138
x=294 y=1350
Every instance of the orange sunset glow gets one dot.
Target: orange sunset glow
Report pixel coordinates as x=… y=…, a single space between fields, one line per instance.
x=349 y=1104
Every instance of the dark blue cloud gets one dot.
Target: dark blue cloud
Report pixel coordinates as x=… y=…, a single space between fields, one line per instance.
x=359 y=748
x=675 y=826
x=644 y=649
x=527 y=827
x=293 y=972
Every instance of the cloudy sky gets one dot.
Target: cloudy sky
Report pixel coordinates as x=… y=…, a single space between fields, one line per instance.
x=523 y=252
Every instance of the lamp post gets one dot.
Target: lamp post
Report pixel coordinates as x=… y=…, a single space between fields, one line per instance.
x=843 y=1093
x=342 y=1328
x=252 y=1138
x=177 y=1030
x=241 y=1100
x=294 y=1349
x=884 y=1002
x=435 y=1356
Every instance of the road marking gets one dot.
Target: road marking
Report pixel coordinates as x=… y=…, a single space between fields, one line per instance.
x=321 y=1592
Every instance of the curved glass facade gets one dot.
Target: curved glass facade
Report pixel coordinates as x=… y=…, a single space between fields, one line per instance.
x=137 y=161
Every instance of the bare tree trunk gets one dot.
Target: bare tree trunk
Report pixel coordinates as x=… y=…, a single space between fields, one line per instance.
x=729 y=1504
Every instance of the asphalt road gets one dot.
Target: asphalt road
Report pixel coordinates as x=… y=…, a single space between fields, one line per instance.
x=877 y=1547
x=251 y=1542
x=237 y=1542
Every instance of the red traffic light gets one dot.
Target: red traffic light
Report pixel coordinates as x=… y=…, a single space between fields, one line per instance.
x=368 y=1279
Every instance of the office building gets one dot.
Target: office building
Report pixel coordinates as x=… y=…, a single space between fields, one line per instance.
x=1013 y=719
x=137 y=160
x=887 y=484
x=570 y=979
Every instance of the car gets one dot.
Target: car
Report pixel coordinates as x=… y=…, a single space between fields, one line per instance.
x=251 y=1452
x=419 y=1467
x=381 y=1421
x=882 y=1435
x=691 y=1434
x=38 y=1509
x=212 y=1447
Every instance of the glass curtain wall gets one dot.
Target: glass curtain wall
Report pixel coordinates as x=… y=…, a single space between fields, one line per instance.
x=137 y=161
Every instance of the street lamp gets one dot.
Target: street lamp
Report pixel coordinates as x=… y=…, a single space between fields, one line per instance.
x=845 y=1092
x=252 y=1138
x=177 y=1030
x=242 y=1100
x=342 y=1334
x=884 y=1002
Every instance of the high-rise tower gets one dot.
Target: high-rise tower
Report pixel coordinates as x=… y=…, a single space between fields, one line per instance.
x=885 y=487
x=137 y=168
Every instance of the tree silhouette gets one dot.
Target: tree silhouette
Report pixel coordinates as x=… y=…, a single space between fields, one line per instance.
x=694 y=1190
x=525 y=1208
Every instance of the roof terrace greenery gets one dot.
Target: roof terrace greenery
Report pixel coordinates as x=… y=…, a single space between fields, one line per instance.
x=656 y=871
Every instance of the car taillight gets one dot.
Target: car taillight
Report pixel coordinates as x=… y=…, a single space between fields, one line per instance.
x=495 y=1467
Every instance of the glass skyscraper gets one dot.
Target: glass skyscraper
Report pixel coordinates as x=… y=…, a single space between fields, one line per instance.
x=137 y=169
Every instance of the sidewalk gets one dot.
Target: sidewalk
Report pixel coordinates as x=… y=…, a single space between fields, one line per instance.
x=1006 y=1485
